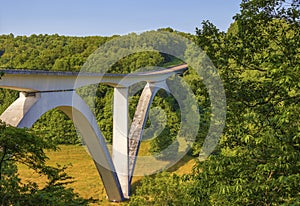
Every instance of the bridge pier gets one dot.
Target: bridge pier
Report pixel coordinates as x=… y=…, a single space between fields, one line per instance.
x=120 y=138
x=14 y=114
x=126 y=142
x=140 y=119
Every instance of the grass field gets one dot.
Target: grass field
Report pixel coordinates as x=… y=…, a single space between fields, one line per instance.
x=86 y=179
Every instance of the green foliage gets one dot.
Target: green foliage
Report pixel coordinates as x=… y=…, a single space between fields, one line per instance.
x=202 y=97
x=55 y=126
x=164 y=189
x=258 y=159
x=20 y=146
x=169 y=133
x=136 y=61
x=47 y=52
x=103 y=110
x=6 y=98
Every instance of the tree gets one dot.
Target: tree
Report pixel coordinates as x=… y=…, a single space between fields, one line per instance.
x=55 y=126
x=258 y=159
x=20 y=146
x=164 y=189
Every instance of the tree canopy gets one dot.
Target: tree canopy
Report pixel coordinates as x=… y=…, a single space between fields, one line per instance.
x=21 y=146
x=258 y=159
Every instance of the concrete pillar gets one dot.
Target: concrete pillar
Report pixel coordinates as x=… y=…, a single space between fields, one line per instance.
x=120 y=138
x=15 y=113
x=140 y=119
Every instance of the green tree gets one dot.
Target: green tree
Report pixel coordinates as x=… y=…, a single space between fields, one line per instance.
x=20 y=146
x=55 y=126
x=258 y=159
x=164 y=189
x=6 y=98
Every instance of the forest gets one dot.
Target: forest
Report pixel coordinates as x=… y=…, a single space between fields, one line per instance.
x=257 y=160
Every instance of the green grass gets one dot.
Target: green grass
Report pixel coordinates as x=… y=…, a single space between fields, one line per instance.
x=86 y=179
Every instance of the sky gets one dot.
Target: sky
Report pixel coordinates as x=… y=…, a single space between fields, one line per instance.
x=110 y=17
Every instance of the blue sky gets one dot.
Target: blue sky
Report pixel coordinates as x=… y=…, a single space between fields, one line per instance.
x=109 y=17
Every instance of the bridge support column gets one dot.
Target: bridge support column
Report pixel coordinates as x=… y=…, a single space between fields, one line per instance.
x=139 y=120
x=19 y=108
x=120 y=138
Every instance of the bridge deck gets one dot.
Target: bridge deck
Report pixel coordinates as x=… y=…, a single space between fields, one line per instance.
x=39 y=80
x=179 y=68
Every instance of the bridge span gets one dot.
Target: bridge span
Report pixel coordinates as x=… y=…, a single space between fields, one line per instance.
x=37 y=80
x=41 y=91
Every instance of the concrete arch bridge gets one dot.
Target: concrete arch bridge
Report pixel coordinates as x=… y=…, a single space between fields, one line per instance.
x=41 y=91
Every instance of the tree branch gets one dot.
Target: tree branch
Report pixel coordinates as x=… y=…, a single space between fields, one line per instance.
x=2 y=160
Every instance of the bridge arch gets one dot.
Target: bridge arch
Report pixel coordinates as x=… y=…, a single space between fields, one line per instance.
x=27 y=109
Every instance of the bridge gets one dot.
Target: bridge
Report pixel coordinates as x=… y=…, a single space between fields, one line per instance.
x=41 y=91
